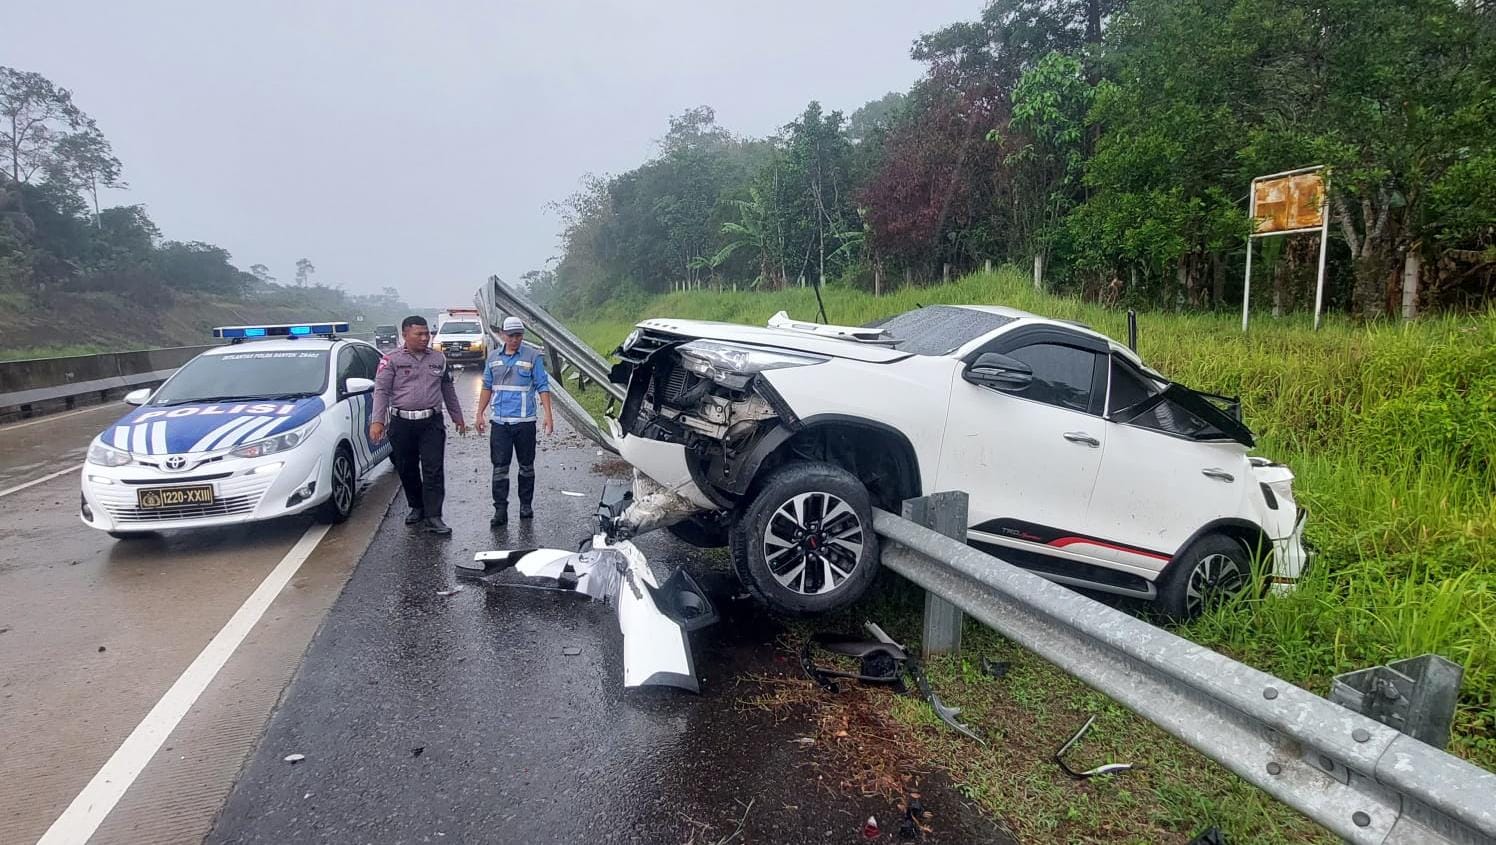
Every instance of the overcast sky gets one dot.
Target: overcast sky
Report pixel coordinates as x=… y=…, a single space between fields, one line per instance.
x=417 y=144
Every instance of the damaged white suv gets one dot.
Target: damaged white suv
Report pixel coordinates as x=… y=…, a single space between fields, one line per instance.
x=1081 y=463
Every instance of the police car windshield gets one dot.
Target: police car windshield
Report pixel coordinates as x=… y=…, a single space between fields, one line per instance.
x=458 y=327
x=247 y=375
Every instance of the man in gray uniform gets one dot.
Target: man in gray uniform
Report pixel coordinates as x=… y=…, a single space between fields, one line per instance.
x=410 y=388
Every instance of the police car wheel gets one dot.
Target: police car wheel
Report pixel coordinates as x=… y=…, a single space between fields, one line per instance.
x=339 y=505
x=805 y=542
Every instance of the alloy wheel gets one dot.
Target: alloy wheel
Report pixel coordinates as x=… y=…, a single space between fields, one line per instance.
x=813 y=542
x=1215 y=578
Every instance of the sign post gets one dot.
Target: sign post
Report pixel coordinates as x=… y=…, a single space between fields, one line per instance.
x=1289 y=203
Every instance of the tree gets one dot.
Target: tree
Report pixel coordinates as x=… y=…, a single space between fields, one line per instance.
x=261 y=274
x=1046 y=150
x=198 y=266
x=35 y=115
x=304 y=271
x=83 y=161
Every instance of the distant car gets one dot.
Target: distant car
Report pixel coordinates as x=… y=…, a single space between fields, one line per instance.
x=1081 y=463
x=461 y=339
x=274 y=424
x=386 y=337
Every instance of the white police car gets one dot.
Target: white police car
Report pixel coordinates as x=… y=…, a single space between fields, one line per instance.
x=273 y=424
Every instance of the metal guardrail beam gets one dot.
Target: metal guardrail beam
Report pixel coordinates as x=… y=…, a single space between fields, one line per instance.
x=1360 y=779
x=495 y=300
x=498 y=298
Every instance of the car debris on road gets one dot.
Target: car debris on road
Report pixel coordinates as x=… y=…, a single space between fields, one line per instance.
x=655 y=618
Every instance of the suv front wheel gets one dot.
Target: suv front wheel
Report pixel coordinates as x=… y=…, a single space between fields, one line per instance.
x=805 y=543
x=1212 y=571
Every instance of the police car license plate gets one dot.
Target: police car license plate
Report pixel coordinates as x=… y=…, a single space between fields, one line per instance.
x=172 y=497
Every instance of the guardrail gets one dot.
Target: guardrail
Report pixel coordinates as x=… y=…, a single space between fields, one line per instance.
x=1360 y=779
x=563 y=350
x=41 y=385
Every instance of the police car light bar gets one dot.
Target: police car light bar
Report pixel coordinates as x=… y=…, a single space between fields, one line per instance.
x=293 y=330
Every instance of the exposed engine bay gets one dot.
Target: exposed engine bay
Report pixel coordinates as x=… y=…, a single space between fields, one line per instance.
x=707 y=397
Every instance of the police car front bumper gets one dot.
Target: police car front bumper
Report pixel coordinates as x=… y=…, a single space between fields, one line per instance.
x=244 y=490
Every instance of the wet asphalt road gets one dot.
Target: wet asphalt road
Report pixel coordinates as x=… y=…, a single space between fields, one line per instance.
x=425 y=718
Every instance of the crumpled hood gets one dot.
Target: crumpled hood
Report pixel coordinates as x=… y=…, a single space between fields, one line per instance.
x=206 y=427
x=777 y=338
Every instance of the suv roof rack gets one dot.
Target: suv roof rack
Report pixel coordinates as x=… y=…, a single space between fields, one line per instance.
x=861 y=334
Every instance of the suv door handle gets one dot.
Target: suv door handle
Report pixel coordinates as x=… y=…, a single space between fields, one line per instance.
x=1218 y=474
x=1082 y=437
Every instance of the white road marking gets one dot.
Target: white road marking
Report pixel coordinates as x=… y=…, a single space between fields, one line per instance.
x=54 y=417
x=19 y=487
x=83 y=817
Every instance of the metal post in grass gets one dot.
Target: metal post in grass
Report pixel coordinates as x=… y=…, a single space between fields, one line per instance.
x=944 y=513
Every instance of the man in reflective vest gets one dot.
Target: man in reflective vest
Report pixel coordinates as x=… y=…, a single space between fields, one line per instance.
x=514 y=379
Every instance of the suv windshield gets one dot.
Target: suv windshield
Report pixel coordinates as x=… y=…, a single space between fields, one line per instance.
x=247 y=375
x=458 y=327
x=384 y=329
x=939 y=329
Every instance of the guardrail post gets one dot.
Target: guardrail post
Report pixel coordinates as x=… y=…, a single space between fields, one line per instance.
x=944 y=513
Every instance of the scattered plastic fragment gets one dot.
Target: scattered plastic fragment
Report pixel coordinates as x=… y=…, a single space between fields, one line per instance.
x=870 y=828
x=102 y=649
x=293 y=759
x=1108 y=769
x=452 y=592
x=994 y=668
x=418 y=751
x=574 y=493
x=1209 y=836
x=571 y=651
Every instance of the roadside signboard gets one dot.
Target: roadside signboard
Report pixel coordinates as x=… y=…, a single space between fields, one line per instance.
x=1285 y=204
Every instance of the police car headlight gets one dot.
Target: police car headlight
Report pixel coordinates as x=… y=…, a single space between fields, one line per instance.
x=731 y=365
x=107 y=456
x=279 y=443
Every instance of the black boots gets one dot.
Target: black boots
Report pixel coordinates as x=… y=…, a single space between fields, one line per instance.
x=415 y=515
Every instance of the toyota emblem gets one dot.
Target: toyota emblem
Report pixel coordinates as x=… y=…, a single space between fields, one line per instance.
x=176 y=462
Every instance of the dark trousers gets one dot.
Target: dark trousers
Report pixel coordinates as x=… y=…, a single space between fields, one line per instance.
x=512 y=440
x=418 y=453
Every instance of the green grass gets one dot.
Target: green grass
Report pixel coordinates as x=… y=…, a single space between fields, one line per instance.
x=1390 y=430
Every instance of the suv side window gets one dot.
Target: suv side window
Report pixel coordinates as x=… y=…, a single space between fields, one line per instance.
x=1128 y=388
x=1063 y=375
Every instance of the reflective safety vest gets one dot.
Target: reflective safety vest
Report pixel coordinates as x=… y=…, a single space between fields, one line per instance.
x=516 y=380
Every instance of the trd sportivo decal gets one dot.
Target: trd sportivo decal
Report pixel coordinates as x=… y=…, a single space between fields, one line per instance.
x=1057 y=538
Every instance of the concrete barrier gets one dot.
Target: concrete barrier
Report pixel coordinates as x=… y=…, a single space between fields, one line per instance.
x=43 y=385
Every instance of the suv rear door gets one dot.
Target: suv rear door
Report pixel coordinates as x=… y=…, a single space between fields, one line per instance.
x=1029 y=457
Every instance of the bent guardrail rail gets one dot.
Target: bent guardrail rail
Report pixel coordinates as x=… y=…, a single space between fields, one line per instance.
x=496 y=300
x=1361 y=780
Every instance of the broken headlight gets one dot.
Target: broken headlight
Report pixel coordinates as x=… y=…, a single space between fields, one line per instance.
x=732 y=365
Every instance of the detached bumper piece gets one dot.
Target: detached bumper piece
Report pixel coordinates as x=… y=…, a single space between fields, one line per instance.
x=655 y=618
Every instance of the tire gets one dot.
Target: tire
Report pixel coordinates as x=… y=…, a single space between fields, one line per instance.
x=1213 y=570
x=770 y=547
x=132 y=535
x=339 y=504
x=703 y=532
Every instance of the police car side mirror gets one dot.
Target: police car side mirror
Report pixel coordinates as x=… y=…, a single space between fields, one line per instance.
x=995 y=370
x=354 y=386
x=138 y=397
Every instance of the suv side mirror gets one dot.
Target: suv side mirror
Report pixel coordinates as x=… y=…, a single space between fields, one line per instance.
x=353 y=385
x=138 y=397
x=998 y=371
